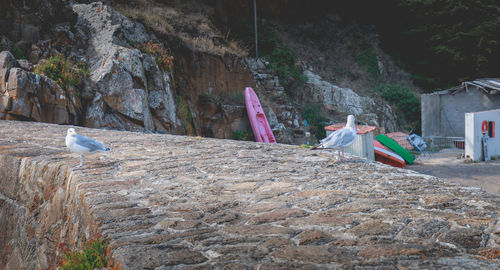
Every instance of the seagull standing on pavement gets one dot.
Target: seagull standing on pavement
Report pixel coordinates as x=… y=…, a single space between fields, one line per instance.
x=340 y=138
x=82 y=144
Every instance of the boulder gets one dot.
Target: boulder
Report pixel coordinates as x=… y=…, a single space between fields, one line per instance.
x=129 y=87
x=25 y=95
x=16 y=83
x=4 y=76
x=7 y=60
x=24 y=64
x=5 y=103
x=127 y=101
x=21 y=107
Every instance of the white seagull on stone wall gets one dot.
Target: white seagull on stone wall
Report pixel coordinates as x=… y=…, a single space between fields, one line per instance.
x=82 y=144
x=341 y=138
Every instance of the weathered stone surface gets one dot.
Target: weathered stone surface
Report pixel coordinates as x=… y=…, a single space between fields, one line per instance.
x=21 y=107
x=166 y=201
x=128 y=81
x=284 y=118
x=24 y=64
x=25 y=95
x=16 y=83
x=5 y=103
x=7 y=60
x=4 y=78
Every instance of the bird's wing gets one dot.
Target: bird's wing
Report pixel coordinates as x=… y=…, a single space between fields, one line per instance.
x=340 y=138
x=89 y=143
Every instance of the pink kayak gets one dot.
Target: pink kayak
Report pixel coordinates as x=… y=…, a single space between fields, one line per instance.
x=261 y=129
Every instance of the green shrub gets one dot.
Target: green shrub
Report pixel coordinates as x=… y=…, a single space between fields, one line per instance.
x=18 y=52
x=62 y=71
x=406 y=101
x=268 y=38
x=315 y=117
x=92 y=256
x=242 y=135
x=368 y=60
x=281 y=58
x=427 y=82
x=282 y=62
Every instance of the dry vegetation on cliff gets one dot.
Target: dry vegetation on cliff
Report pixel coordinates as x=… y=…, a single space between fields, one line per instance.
x=186 y=22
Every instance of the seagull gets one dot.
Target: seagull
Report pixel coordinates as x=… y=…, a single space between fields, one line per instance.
x=341 y=138
x=82 y=144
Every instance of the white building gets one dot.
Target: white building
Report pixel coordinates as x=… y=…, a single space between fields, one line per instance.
x=477 y=126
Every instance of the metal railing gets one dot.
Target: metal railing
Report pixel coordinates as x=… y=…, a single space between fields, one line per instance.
x=438 y=143
x=434 y=145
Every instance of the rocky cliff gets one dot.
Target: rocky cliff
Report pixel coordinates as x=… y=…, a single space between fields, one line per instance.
x=130 y=77
x=177 y=202
x=131 y=81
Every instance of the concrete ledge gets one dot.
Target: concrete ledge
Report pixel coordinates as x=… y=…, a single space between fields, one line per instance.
x=180 y=202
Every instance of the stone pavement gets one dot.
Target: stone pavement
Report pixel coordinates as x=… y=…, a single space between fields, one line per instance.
x=176 y=202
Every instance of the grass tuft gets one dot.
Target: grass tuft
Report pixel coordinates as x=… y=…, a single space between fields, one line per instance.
x=63 y=71
x=93 y=255
x=242 y=135
x=163 y=59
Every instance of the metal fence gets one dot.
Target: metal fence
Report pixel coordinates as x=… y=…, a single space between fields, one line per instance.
x=438 y=143
x=434 y=145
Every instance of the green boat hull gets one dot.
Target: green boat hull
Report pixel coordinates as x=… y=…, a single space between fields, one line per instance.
x=394 y=146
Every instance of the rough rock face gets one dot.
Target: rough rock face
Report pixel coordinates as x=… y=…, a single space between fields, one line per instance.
x=25 y=23
x=346 y=101
x=165 y=201
x=211 y=87
x=128 y=90
x=25 y=95
x=131 y=90
x=284 y=118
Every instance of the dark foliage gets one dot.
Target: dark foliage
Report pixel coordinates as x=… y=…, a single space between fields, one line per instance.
x=282 y=60
x=441 y=42
x=315 y=117
x=407 y=104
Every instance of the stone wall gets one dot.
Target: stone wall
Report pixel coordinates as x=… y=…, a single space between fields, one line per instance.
x=166 y=201
x=38 y=215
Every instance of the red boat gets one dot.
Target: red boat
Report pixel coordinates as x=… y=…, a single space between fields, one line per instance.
x=386 y=156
